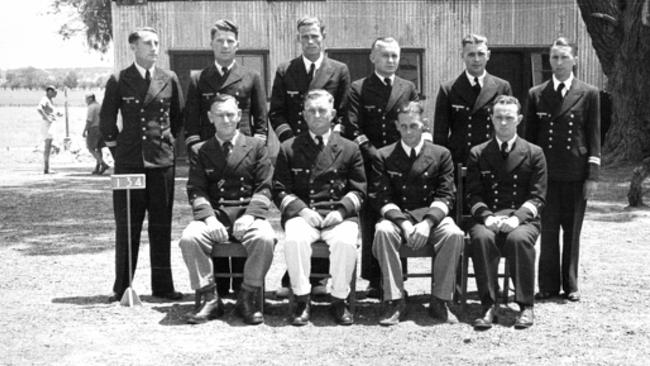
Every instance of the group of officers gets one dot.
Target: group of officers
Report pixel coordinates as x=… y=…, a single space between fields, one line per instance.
x=356 y=158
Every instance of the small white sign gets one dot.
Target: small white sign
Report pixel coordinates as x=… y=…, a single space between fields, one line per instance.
x=128 y=181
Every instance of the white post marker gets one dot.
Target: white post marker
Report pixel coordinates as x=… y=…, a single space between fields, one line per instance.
x=128 y=182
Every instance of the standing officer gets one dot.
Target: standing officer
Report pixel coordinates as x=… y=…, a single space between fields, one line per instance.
x=225 y=76
x=229 y=189
x=372 y=112
x=48 y=113
x=309 y=71
x=463 y=105
x=319 y=185
x=506 y=189
x=563 y=117
x=413 y=188
x=150 y=101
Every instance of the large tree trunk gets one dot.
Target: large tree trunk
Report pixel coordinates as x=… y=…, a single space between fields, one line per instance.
x=622 y=44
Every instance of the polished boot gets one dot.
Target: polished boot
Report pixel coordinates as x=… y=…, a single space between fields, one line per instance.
x=247 y=308
x=394 y=311
x=439 y=310
x=302 y=311
x=341 y=313
x=489 y=317
x=211 y=308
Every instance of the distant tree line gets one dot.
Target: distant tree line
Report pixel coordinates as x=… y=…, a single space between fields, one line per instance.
x=34 y=78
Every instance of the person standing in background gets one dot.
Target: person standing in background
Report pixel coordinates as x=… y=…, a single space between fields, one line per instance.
x=49 y=114
x=93 y=135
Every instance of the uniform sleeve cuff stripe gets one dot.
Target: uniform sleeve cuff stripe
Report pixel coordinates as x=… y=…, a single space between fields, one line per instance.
x=200 y=201
x=282 y=129
x=440 y=205
x=388 y=207
x=110 y=143
x=361 y=139
x=594 y=160
x=531 y=207
x=476 y=207
x=286 y=201
x=355 y=200
x=191 y=139
x=262 y=199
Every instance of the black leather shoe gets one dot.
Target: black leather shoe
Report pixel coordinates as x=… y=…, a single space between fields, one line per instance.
x=211 y=309
x=525 y=319
x=394 y=311
x=489 y=317
x=247 y=309
x=573 y=296
x=114 y=297
x=341 y=313
x=438 y=309
x=545 y=295
x=173 y=295
x=300 y=314
x=102 y=168
x=373 y=290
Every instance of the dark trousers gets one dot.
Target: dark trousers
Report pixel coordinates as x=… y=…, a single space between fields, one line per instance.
x=156 y=200
x=370 y=269
x=518 y=246
x=565 y=208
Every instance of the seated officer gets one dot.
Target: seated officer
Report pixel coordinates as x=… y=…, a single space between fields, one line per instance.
x=319 y=185
x=229 y=188
x=506 y=190
x=413 y=189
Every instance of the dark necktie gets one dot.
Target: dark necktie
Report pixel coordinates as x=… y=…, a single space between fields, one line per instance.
x=227 y=147
x=477 y=86
x=413 y=156
x=224 y=72
x=310 y=74
x=387 y=81
x=319 y=141
x=147 y=77
x=504 y=149
x=560 y=87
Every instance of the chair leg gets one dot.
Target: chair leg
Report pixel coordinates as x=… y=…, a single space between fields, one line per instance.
x=464 y=276
x=352 y=299
x=261 y=299
x=506 y=282
x=433 y=260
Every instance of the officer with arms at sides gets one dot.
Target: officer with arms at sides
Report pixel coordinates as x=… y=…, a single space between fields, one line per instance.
x=412 y=186
x=506 y=190
x=47 y=110
x=150 y=102
x=319 y=186
x=229 y=188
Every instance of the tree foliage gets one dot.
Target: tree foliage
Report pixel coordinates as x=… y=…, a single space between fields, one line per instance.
x=94 y=19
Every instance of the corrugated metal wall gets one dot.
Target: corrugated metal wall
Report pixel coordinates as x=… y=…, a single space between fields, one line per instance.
x=435 y=25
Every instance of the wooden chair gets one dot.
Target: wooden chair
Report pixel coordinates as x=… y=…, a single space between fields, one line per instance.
x=462 y=220
x=231 y=249
x=426 y=251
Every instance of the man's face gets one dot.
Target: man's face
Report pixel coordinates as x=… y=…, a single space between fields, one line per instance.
x=562 y=61
x=385 y=57
x=505 y=119
x=51 y=93
x=319 y=114
x=146 y=49
x=224 y=46
x=311 y=40
x=410 y=128
x=475 y=56
x=225 y=116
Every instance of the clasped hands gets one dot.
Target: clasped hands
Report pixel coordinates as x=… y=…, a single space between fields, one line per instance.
x=504 y=224
x=416 y=235
x=218 y=232
x=314 y=219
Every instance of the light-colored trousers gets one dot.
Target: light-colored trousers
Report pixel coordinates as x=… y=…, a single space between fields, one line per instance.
x=196 y=246
x=447 y=241
x=342 y=241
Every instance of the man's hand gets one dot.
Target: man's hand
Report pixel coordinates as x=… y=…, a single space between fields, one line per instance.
x=195 y=148
x=241 y=225
x=312 y=217
x=589 y=189
x=216 y=230
x=492 y=223
x=420 y=234
x=509 y=224
x=332 y=218
x=407 y=230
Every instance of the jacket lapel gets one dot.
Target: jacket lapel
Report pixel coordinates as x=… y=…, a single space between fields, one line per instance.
x=572 y=97
x=234 y=75
x=215 y=154
x=396 y=91
x=492 y=154
x=464 y=89
x=239 y=151
x=212 y=77
x=131 y=78
x=329 y=154
x=549 y=99
x=159 y=82
x=421 y=163
x=516 y=156
x=487 y=92
x=323 y=74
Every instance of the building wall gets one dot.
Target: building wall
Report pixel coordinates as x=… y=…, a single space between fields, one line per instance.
x=435 y=25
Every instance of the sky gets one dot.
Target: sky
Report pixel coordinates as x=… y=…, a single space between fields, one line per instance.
x=28 y=37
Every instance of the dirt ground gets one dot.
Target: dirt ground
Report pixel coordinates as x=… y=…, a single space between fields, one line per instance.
x=56 y=260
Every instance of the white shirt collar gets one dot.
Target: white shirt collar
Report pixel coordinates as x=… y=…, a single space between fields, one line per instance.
x=381 y=78
x=229 y=67
x=417 y=147
x=308 y=62
x=326 y=137
x=232 y=141
x=510 y=142
x=143 y=71
x=567 y=83
x=470 y=77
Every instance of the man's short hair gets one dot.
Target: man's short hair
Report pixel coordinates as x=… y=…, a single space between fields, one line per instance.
x=137 y=34
x=564 y=42
x=507 y=99
x=411 y=107
x=91 y=96
x=473 y=38
x=50 y=87
x=224 y=25
x=308 y=20
x=222 y=98
x=319 y=93
x=382 y=39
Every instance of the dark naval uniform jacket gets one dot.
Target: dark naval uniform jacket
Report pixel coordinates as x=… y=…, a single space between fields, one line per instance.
x=151 y=118
x=372 y=111
x=462 y=119
x=229 y=187
x=568 y=130
x=402 y=189
x=290 y=87
x=514 y=186
x=327 y=180
x=242 y=83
